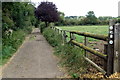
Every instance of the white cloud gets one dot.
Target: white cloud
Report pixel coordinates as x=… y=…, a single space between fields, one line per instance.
x=81 y=7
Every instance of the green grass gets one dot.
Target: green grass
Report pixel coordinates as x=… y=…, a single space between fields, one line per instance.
x=92 y=29
x=103 y=30
x=70 y=56
x=10 y=44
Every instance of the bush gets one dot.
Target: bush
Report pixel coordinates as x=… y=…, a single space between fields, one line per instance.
x=71 y=56
x=42 y=26
x=28 y=29
x=51 y=36
x=12 y=43
x=18 y=19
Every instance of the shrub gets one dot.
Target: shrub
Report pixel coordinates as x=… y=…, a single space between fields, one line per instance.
x=12 y=43
x=42 y=26
x=51 y=36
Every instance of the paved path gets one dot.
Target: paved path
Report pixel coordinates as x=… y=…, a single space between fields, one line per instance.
x=34 y=59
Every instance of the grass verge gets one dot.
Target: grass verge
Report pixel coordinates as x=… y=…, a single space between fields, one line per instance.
x=70 y=55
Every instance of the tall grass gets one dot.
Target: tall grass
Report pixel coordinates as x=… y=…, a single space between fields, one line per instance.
x=71 y=56
x=11 y=43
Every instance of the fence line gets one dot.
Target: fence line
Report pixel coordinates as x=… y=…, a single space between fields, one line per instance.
x=101 y=55
x=111 y=55
x=96 y=36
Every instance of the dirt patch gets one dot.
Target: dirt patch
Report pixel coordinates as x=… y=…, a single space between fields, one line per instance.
x=98 y=46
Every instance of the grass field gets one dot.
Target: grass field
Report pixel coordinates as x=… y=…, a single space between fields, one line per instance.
x=91 y=29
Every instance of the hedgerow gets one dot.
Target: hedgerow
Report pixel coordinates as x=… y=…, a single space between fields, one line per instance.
x=17 y=21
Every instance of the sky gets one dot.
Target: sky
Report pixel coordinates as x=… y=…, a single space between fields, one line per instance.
x=81 y=7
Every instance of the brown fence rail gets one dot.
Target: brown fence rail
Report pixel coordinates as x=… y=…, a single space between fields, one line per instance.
x=111 y=53
x=101 y=55
x=96 y=36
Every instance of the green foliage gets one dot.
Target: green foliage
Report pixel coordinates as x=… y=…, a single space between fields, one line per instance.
x=17 y=21
x=11 y=43
x=71 y=56
x=118 y=20
x=42 y=26
x=61 y=19
x=17 y=15
x=51 y=36
x=89 y=19
x=75 y=75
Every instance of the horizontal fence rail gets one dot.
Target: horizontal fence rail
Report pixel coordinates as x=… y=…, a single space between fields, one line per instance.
x=111 y=55
x=95 y=65
x=101 y=55
x=96 y=36
x=84 y=46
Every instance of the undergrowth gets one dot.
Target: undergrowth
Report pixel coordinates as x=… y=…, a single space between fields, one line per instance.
x=11 y=43
x=70 y=55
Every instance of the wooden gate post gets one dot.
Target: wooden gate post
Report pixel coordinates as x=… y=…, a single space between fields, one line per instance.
x=110 y=58
x=117 y=48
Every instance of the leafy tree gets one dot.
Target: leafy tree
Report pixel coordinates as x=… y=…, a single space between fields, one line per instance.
x=104 y=20
x=91 y=18
x=17 y=21
x=47 y=12
x=61 y=19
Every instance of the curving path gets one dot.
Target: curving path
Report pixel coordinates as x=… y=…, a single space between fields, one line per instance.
x=34 y=59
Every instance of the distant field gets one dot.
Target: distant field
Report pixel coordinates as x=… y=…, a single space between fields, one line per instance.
x=91 y=29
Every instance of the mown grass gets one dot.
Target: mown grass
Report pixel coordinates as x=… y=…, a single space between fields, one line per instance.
x=103 y=30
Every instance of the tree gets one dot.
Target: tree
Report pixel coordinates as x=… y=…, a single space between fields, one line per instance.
x=17 y=15
x=91 y=18
x=47 y=12
x=61 y=19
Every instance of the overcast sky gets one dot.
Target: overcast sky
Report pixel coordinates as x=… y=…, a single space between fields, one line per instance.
x=81 y=7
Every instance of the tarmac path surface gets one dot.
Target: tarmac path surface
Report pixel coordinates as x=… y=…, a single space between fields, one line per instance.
x=34 y=59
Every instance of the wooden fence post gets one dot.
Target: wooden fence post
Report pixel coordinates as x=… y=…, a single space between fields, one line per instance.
x=71 y=36
x=55 y=29
x=85 y=43
x=117 y=48
x=61 y=32
x=105 y=52
x=58 y=31
x=64 y=35
x=110 y=50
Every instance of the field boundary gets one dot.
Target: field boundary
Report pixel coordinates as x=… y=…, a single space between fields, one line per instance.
x=111 y=55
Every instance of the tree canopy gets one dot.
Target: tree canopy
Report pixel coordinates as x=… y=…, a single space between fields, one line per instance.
x=47 y=12
x=91 y=18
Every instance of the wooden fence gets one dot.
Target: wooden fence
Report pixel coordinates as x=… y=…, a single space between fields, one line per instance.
x=111 y=55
